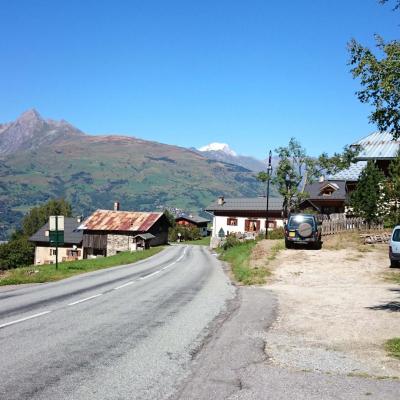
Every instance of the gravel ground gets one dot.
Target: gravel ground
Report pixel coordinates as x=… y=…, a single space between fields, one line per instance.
x=335 y=311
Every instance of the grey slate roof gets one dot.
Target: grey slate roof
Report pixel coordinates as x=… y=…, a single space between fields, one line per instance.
x=194 y=218
x=145 y=236
x=71 y=234
x=377 y=146
x=314 y=190
x=247 y=204
x=352 y=173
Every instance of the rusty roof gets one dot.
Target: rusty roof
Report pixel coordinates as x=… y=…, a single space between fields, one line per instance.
x=108 y=220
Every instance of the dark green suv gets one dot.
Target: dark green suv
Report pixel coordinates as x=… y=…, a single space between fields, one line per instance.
x=302 y=229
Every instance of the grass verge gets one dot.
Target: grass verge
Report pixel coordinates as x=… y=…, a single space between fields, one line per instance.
x=48 y=273
x=239 y=258
x=392 y=346
x=393 y=277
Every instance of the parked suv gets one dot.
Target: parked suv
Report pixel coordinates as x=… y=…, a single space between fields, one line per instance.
x=394 y=247
x=302 y=229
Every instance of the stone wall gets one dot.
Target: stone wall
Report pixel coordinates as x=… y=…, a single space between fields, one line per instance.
x=117 y=243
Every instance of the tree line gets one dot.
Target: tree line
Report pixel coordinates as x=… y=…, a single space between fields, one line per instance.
x=18 y=251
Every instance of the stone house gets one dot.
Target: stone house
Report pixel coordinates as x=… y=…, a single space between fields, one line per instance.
x=108 y=232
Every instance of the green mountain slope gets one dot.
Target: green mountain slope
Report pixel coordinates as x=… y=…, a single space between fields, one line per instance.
x=94 y=171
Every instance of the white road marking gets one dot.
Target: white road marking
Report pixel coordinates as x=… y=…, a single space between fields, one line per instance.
x=149 y=275
x=146 y=276
x=87 y=298
x=24 y=319
x=125 y=284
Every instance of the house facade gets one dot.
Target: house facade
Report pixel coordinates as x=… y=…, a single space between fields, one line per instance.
x=45 y=253
x=195 y=222
x=245 y=215
x=326 y=197
x=108 y=232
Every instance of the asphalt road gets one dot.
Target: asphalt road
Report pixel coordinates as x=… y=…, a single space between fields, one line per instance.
x=127 y=332
x=233 y=364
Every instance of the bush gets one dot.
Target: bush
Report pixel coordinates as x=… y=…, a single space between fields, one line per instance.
x=230 y=241
x=17 y=253
x=187 y=233
x=278 y=233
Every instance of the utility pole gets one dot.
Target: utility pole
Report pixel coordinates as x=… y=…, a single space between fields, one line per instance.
x=269 y=172
x=57 y=242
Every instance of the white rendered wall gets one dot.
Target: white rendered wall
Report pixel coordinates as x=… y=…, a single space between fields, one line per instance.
x=222 y=222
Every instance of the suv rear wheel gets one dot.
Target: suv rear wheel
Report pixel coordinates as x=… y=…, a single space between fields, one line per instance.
x=288 y=244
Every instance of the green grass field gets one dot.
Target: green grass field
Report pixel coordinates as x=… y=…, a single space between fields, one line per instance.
x=48 y=273
x=201 y=242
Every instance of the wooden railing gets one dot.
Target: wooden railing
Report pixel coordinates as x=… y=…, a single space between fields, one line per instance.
x=331 y=227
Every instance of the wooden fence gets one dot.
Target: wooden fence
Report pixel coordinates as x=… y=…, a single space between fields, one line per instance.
x=331 y=227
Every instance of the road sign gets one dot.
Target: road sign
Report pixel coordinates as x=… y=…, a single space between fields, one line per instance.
x=56 y=237
x=56 y=223
x=56 y=232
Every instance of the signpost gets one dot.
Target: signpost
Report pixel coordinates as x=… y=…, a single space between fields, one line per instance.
x=269 y=172
x=56 y=232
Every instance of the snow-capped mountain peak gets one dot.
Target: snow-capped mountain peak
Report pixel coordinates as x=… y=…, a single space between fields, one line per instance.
x=223 y=147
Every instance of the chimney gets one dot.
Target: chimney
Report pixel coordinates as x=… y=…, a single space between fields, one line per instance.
x=116 y=206
x=221 y=200
x=321 y=179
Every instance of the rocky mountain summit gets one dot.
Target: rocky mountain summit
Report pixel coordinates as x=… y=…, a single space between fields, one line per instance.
x=30 y=131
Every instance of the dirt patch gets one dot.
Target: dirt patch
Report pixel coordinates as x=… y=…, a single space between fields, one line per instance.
x=336 y=309
x=264 y=252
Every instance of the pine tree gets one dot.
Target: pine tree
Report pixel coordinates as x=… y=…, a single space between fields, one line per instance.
x=368 y=200
x=393 y=191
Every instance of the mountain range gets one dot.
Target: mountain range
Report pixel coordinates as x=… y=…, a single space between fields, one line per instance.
x=42 y=159
x=222 y=152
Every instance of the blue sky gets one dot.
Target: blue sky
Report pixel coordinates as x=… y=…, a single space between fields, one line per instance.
x=249 y=73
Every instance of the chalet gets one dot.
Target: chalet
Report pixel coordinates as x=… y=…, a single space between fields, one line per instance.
x=326 y=197
x=108 y=232
x=194 y=221
x=331 y=196
x=245 y=215
x=70 y=250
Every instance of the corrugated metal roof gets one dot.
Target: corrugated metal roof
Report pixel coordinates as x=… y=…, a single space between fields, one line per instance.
x=350 y=174
x=72 y=234
x=247 y=204
x=377 y=146
x=127 y=221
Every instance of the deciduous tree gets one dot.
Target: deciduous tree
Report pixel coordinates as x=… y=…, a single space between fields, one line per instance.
x=380 y=80
x=296 y=169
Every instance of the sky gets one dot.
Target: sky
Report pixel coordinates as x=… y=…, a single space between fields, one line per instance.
x=250 y=73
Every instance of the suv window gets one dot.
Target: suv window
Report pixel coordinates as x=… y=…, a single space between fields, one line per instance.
x=296 y=220
x=396 y=235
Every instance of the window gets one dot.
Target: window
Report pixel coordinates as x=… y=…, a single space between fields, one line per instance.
x=252 y=225
x=271 y=224
x=396 y=235
x=232 y=221
x=52 y=252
